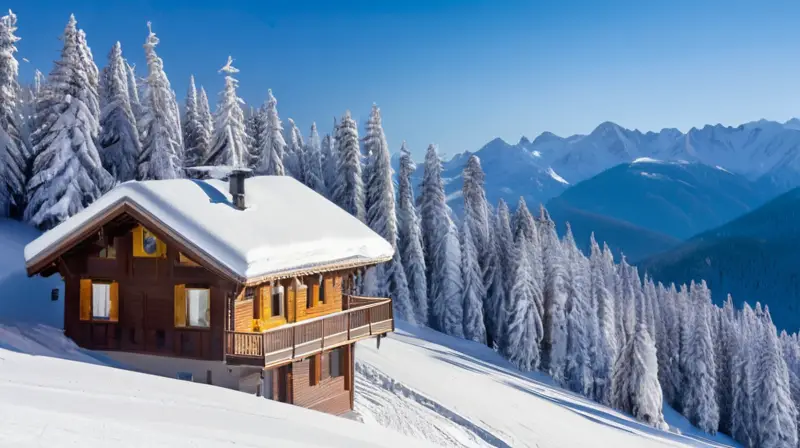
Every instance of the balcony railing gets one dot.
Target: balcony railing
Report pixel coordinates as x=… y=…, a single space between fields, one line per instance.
x=365 y=317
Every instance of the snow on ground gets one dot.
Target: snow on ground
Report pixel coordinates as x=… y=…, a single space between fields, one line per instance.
x=56 y=394
x=420 y=378
x=647 y=160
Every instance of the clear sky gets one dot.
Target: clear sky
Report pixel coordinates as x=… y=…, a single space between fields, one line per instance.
x=460 y=72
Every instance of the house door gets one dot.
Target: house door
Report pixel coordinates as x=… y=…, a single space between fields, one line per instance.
x=132 y=309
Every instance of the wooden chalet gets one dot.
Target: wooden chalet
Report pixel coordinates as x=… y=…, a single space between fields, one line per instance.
x=250 y=290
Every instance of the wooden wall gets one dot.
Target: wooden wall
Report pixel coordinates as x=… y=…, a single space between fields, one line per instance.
x=329 y=394
x=146 y=303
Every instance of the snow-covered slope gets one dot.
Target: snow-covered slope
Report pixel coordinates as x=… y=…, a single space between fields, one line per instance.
x=420 y=378
x=754 y=258
x=54 y=394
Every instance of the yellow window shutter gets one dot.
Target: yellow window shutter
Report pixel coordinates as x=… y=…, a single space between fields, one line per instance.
x=291 y=303
x=113 y=310
x=138 y=242
x=315 y=298
x=86 y=299
x=162 y=248
x=180 y=305
x=266 y=302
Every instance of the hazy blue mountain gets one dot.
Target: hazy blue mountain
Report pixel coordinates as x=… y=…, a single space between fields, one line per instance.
x=755 y=257
x=678 y=199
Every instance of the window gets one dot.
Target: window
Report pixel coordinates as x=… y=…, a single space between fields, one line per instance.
x=335 y=362
x=249 y=293
x=110 y=252
x=101 y=300
x=277 y=301
x=198 y=307
x=310 y=296
x=146 y=244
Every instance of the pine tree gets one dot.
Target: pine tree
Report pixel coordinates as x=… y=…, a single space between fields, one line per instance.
x=294 y=156
x=607 y=348
x=555 y=297
x=635 y=387
x=119 y=136
x=161 y=137
x=442 y=251
x=133 y=91
x=578 y=368
x=667 y=337
x=500 y=289
x=314 y=177
x=476 y=213
x=67 y=172
x=229 y=143
x=775 y=413
x=255 y=124
x=725 y=364
x=474 y=328
x=195 y=134
x=330 y=161
x=524 y=224
x=410 y=238
x=348 y=190
x=204 y=113
x=381 y=214
x=523 y=327
x=274 y=145
x=86 y=62
x=742 y=416
x=13 y=160
x=700 y=405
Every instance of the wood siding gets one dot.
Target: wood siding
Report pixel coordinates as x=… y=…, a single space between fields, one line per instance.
x=146 y=288
x=331 y=395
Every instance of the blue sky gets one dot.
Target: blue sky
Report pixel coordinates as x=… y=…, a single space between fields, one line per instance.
x=460 y=72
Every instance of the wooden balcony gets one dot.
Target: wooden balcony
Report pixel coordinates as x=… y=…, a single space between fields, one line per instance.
x=364 y=317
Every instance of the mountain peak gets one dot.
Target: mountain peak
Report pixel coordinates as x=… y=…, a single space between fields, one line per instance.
x=497 y=144
x=523 y=141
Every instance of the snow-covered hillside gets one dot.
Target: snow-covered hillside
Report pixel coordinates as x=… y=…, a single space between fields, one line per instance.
x=430 y=387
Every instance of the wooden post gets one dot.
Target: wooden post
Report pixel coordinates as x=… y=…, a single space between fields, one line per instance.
x=322 y=341
x=369 y=319
x=347 y=320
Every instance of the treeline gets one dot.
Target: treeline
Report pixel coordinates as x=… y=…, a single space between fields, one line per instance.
x=495 y=277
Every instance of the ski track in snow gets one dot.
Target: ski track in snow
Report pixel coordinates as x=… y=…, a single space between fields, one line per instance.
x=382 y=400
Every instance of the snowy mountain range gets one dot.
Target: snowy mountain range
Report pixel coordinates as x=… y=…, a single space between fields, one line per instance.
x=754 y=258
x=648 y=198
x=764 y=152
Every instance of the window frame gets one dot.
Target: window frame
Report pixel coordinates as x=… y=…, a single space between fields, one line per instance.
x=280 y=291
x=187 y=299
x=107 y=284
x=335 y=354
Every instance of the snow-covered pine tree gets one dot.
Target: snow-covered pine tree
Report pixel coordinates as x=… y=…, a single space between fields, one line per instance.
x=86 y=60
x=410 y=238
x=725 y=364
x=504 y=274
x=442 y=250
x=255 y=123
x=158 y=127
x=494 y=277
x=776 y=415
x=13 y=160
x=667 y=336
x=230 y=142
x=523 y=328
x=204 y=113
x=579 y=316
x=133 y=90
x=312 y=161
x=607 y=348
x=742 y=415
x=330 y=162
x=555 y=296
x=273 y=147
x=195 y=135
x=477 y=215
x=67 y=173
x=700 y=403
x=348 y=190
x=119 y=136
x=294 y=157
x=474 y=328
x=382 y=216
x=635 y=387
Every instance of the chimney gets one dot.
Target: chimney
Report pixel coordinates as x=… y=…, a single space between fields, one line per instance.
x=236 y=181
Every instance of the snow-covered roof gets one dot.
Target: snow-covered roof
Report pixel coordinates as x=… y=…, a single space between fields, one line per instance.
x=285 y=228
